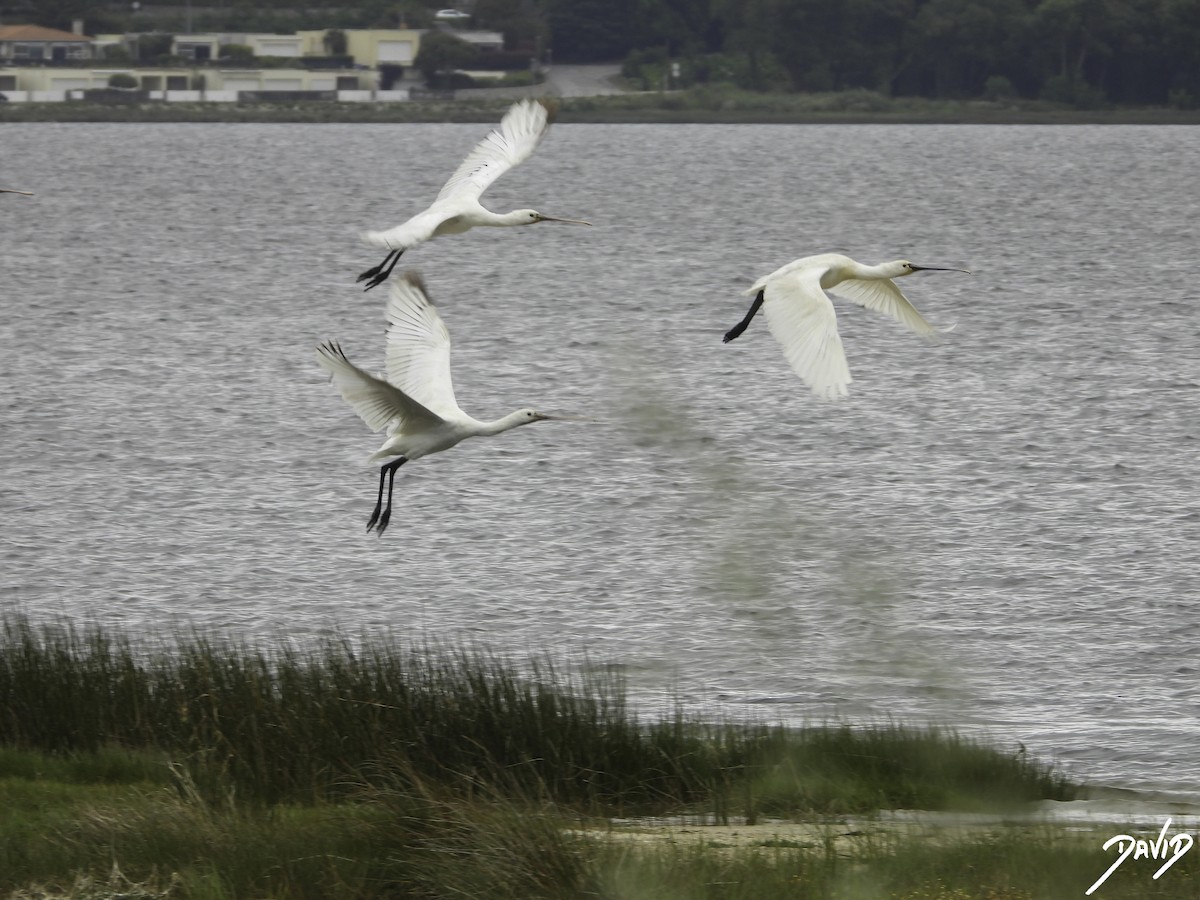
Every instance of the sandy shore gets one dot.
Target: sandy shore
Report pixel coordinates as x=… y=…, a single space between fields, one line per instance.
x=1089 y=821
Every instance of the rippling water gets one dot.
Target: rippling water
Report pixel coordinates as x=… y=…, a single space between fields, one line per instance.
x=999 y=531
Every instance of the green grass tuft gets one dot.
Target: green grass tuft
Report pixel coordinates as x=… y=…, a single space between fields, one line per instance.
x=322 y=724
x=207 y=768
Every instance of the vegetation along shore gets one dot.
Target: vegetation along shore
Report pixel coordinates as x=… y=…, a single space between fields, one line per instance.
x=704 y=104
x=193 y=766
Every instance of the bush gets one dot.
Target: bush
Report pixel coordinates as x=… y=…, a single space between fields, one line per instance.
x=122 y=80
x=860 y=100
x=520 y=79
x=504 y=60
x=151 y=47
x=237 y=53
x=1073 y=92
x=763 y=72
x=451 y=81
x=997 y=87
x=442 y=52
x=638 y=60
x=1181 y=98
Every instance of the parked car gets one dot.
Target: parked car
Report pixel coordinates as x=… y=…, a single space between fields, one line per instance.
x=451 y=15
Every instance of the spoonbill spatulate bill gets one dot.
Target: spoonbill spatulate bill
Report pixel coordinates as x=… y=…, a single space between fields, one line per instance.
x=415 y=404
x=14 y=191
x=457 y=207
x=803 y=321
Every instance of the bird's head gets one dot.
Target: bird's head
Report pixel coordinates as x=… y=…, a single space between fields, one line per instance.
x=532 y=415
x=528 y=416
x=902 y=267
x=532 y=217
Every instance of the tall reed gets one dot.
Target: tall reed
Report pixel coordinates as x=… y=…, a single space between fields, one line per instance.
x=341 y=718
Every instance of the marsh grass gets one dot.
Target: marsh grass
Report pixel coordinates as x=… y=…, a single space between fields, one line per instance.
x=326 y=723
x=202 y=767
x=313 y=725
x=844 y=769
x=418 y=845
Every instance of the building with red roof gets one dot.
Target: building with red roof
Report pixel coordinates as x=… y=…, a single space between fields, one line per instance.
x=32 y=44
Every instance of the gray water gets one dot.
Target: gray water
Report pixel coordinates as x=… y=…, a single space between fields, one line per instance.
x=998 y=531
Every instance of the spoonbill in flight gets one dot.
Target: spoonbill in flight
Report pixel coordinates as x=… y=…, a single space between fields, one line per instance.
x=457 y=207
x=416 y=403
x=801 y=315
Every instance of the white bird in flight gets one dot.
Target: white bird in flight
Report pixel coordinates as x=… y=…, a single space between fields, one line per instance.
x=802 y=318
x=457 y=207
x=416 y=403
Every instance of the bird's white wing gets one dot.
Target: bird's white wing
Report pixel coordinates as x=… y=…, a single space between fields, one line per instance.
x=803 y=320
x=377 y=403
x=511 y=143
x=418 y=348
x=884 y=297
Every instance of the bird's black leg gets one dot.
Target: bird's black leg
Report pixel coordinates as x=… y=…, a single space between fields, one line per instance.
x=378 y=503
x=380 y=521
x=737 y=329
x=377 y=275
x=375 y=270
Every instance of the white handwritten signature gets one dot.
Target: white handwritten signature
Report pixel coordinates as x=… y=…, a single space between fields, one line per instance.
x=1140 y=848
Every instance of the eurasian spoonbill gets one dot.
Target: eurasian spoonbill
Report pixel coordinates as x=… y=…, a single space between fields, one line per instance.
x=416 y=403
x=802 y=318
x=457 y=207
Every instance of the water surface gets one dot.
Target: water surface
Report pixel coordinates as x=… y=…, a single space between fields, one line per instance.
x=998 y=531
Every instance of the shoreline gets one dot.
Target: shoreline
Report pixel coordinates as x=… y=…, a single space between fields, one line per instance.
x=630 y=109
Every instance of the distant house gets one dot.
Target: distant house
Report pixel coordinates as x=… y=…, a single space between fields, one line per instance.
x=370 y=67
x=204 y=47
x=25 y=44
x=371 y=47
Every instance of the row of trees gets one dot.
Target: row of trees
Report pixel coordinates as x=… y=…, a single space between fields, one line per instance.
x=1082 y=51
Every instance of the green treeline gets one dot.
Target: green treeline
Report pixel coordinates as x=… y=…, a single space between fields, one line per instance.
x=1085 y=52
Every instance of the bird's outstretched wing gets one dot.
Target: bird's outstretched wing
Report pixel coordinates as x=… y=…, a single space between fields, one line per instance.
x=511 y=143
x=884 y=297
x=418 y=347
x=377 y=403
x=803 y=320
